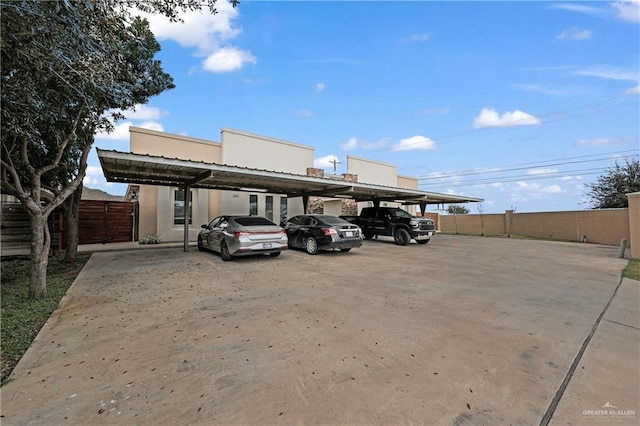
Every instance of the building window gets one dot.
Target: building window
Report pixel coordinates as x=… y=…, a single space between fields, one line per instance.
x=253 y=205
x=178 y=207
x=269 y=207
x=283 y=208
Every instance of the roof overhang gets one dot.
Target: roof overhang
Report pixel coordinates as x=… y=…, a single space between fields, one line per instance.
x=142 y=169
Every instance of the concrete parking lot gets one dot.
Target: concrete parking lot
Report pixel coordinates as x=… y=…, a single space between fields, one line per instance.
x=464 y=330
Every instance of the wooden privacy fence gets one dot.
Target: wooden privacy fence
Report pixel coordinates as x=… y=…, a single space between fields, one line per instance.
x=16 y=230
x=99 y=222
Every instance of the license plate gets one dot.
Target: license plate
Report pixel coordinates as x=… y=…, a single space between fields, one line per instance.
x=349 y=233
x=266 y=245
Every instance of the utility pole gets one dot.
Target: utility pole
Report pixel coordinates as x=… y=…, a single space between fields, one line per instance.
x=335 y=162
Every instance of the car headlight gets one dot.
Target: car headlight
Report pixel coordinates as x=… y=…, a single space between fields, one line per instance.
x=414 y=222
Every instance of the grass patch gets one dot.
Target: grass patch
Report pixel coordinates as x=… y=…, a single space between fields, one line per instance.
x=632 y=270
x=22 y=318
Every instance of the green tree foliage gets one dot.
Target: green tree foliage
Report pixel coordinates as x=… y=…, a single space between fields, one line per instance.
x=609 y=191
x=457 y=209
x=66 y=66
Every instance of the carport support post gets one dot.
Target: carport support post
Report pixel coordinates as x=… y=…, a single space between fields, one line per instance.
x=423 y=207
x=305 y=203
x=186 y=216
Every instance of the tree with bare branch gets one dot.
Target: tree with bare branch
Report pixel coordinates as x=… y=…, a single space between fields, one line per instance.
x=66 y=66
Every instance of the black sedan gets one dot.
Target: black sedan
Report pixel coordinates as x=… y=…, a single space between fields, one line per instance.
x=314 y=232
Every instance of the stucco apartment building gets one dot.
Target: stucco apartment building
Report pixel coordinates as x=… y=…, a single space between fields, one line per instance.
x=161 y=209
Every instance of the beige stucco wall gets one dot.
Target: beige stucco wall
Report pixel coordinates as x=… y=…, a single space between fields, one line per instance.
x=599 y=226
x=153 y=142
x=260 y=152
x=407 y=182
x=156 y=203
x=634 y=224
x=472 y=223
x=373 y=172
x=245 y=149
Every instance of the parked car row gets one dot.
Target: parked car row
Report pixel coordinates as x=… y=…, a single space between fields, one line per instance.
x=240 y=235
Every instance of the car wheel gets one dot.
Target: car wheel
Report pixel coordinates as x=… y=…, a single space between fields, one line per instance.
x=224 y=252
x=368 y=235
x=344 y=250
x=401 y=237
x=200 y=245
x=311 y=245
x=423 y=241
x=275 y=254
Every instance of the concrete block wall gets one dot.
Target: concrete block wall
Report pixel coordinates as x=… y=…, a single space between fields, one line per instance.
x=599 y=226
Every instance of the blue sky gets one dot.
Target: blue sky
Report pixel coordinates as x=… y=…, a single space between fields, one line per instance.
x=521 y=103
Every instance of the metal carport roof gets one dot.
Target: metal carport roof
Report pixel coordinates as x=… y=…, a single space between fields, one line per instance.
x=127 y=167
x=144 y=169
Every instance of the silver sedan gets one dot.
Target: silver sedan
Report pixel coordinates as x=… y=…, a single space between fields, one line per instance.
x=242 y=235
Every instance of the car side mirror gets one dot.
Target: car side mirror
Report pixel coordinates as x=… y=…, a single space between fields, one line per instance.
x=205 y=226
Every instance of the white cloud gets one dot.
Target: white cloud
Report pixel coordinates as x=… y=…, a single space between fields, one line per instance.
x=325 y=162
x=569 y=178
x=138 y=112
x=489 y=117
x=93 y=176
x=536 y=190
x=355 y=143
x=604 y=142
x=349 y=145
x=542 y=171
x=628 y=10
x=551 y=189
x=143 y=112
x=587 y=10
x=608 y=72
x=207 y=33
x=633 y=90
x=121 y=131
x=202 y=30
x=416 y=38
x=415 y=142
x=558 y=91
x=227 y=59
x=94 y=171
x=574 y=34
x=320 y=87
x=497 y=185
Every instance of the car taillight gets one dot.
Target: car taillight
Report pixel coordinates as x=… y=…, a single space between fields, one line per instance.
x=330 y=231
x=241 y=234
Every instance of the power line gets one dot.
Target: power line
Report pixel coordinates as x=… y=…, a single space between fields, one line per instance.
x=551 y=116
x=516 y=178
x=531 y=165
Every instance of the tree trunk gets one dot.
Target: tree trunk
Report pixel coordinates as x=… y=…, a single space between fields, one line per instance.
x=71 y=212
x=40 y=242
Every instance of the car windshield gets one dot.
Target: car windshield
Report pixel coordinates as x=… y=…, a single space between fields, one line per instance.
x=253 y=221
x=333 y=220
x=400 y=213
